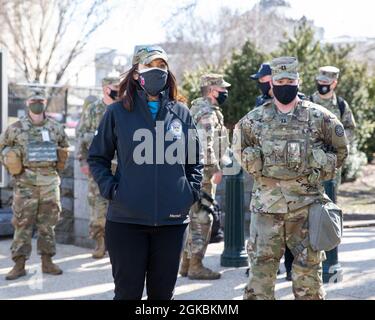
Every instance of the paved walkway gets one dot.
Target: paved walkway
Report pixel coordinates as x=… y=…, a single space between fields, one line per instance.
x=85 y=278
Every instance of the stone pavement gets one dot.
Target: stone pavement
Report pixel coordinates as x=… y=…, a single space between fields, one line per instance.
x=85 y=278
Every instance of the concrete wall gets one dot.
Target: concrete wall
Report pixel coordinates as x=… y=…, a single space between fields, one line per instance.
x=81 y=209
x=64 y=228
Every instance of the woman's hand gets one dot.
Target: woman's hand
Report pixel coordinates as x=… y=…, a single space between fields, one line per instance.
x=85 y=170
x=217 y=177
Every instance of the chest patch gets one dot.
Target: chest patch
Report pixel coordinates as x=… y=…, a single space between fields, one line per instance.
x=175 y=129
x=339 y=130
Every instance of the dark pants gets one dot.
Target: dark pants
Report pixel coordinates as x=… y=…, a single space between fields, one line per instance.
x=288 y=256
x=140 y=252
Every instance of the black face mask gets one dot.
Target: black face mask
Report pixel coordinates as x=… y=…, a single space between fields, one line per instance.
x=113 y=94
x=285 y=93
x=153 y=80
x=222 y=97
x=323 y=88
x=37 y=107
x=265 y=87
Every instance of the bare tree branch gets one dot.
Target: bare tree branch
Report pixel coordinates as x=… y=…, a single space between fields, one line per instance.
x=36 y=34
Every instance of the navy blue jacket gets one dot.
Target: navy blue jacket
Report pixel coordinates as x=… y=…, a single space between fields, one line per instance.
x=151 y=193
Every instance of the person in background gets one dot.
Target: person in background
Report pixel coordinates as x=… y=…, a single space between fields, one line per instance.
x=34 y=150
x=207 y=115
x=326 y=83
x=263 y=78
x=88 y=124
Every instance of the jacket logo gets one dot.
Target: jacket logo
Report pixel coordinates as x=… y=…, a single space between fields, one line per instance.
x=339 y=130
x=175 y=128
x=174 y=216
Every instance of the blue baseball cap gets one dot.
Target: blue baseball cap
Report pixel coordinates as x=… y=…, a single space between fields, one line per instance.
x=264 y=70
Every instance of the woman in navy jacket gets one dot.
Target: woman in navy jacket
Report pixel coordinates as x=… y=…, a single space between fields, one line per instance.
x=157 y=180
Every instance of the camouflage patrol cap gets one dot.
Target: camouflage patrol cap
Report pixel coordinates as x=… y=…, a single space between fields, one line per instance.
x=328 y=73
x=110 y=80
x=213 y=79
x=37 y=95
x=145 y=54
x=284 y=67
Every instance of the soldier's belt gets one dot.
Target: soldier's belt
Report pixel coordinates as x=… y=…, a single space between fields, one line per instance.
x=40 y=165
x=270 y=180
x=41 y=170
x=285 y=174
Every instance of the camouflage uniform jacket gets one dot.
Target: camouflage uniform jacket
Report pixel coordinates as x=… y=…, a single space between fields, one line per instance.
x=209 y=121
x=287 y=154
x=21 y=134
x=347 y=118
x=88 y=124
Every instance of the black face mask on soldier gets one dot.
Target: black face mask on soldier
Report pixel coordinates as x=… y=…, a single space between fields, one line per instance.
x=285 y=93
x=153 y=80
x=113 y=94
x=264 y=87
x=323 y=88
x=223 y=95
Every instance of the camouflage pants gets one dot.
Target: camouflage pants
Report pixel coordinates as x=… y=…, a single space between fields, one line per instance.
x=268 y=235
x=35 y=206
x=98 y=209
x=199 y=231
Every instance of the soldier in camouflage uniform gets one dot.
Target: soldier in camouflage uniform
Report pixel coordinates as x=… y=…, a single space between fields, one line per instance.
x=88 y=100
x=209 y=121
x=326 y=81
x=284 y=144
x=33 y=150
x=264 y=78
x=88 y=124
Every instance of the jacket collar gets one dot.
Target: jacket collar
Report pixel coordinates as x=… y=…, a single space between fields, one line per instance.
x=141 y=102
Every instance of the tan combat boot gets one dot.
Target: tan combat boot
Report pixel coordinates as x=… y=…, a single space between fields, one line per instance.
x=49 y=267
x=99 y=251
x=18 y=269
x=198 y=272
x=184 y=267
